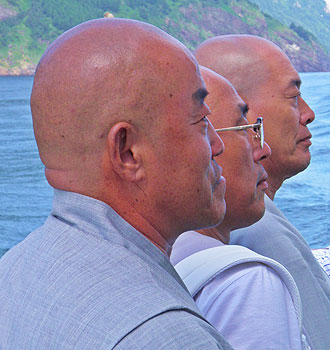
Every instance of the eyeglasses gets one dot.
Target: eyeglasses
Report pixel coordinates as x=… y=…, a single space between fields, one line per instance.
x=258 y=128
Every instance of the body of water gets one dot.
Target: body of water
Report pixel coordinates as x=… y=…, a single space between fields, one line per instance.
x=25 y=196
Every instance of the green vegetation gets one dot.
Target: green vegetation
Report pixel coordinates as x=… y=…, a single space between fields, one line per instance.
x=273 y=25
x=305 y=16
x=28 y=26
x=306 y=35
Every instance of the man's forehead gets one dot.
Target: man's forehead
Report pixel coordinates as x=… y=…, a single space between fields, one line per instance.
x=229 y=110
x=289 y=81
x=284 y=72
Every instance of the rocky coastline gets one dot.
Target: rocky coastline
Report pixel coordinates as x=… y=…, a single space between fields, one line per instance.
x=24 y=70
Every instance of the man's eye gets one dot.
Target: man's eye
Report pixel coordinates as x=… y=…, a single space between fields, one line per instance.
x=295 y=98
x=204 y=119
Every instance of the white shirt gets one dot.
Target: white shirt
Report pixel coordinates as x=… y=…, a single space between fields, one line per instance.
x=249 y=304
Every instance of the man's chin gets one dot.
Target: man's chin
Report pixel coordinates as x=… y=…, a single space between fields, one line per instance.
x=217 y=218
x=297 y=162
x=257 y=210
x=303 y=160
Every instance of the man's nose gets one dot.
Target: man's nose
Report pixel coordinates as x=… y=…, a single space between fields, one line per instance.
x=307 y=115
x=262 y=153
x=217 y=145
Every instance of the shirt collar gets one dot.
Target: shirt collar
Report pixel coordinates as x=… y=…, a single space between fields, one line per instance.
x=99 y=219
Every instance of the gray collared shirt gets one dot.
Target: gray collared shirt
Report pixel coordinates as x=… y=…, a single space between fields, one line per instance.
x=275 y=237
x=87 y=279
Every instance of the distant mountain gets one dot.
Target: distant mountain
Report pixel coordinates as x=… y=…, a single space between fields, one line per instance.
x=27 y=27
x=312 y=15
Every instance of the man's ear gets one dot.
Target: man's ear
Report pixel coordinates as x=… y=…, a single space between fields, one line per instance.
x=124 y=152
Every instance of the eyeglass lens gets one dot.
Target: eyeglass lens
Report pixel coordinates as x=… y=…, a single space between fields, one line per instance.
x=260 y=131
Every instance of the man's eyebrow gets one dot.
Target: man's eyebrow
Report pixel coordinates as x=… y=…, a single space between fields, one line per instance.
x=295 y=82
x=244 y=108
x=199 y=95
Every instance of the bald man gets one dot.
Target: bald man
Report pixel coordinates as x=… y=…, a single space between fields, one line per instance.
x=120 y=122
x=250 y=299
x=266 y=80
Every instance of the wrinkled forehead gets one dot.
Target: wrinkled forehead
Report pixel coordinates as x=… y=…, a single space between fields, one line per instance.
x=282 y=73
x=222 y=93
x=181 y=80
x=177 y=63
x=227 y=107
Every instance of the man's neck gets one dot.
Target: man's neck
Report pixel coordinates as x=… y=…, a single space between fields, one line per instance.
x=271 y=193
x=219 y=233
x=276 y=176
x=135 y=218
x=273 y=186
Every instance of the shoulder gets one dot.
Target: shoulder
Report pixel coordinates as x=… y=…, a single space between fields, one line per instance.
x=88 y=287
x=203 y=266
x=252 y=297
x=251 y=276
x=175 y=330
x=269 y=231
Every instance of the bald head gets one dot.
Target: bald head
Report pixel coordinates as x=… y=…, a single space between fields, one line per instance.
x=244 y=60
x=94 y=75
x=266 y=80
x=119 y=115
x=241 y=160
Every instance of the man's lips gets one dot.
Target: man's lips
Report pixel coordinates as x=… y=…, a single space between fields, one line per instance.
x=305 y=139
x=218 y=175
x=221 y=180
x=263 y=181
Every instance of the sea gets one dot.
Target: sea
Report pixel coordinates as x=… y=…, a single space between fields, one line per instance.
x=25 y=196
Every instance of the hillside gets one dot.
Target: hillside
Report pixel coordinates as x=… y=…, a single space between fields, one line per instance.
x=313 y=15
x=27 y=27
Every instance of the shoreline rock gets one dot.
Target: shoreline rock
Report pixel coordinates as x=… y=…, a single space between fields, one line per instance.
x=27 y=70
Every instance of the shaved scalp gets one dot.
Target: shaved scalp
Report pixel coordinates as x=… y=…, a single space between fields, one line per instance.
x=113 y=100
x=94 y=75
x=242 y=59
x=216 y=83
